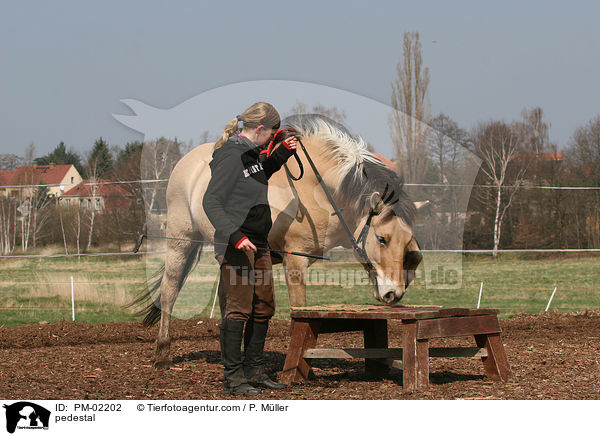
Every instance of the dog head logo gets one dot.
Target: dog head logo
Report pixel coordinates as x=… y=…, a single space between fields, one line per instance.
x=26 y=415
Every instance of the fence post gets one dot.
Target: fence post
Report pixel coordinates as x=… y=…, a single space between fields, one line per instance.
x=72 y=298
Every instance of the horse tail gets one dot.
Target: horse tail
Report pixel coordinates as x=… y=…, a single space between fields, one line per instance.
x=150 y=294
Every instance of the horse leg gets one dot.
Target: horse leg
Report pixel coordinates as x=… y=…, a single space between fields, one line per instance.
x=181 y=256
x=295 y=276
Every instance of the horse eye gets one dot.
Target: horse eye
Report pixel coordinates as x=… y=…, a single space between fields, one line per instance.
x=380 y=239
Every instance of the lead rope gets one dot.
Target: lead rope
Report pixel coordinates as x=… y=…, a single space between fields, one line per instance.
x=359 y=250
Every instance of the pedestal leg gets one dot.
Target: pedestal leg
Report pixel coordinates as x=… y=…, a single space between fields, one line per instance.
x=376 y=336
x=415 y=358
x=496 y=363
x=304 y=335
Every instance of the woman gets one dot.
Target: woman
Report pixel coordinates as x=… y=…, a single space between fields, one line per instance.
x=237 y=206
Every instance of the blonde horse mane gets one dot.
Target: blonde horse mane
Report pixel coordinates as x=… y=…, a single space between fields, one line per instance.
x=360 y=172
x=347 y=150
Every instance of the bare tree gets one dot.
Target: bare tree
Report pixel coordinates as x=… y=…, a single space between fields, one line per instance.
x=40 y=209
x=497 y=145
x=62 y=226
x=157 y=161
x=8 y=225
x=29 y=154
x=584 y=156
x=411 y=110
x=93 y=180
x=333 y=112
x=533 y=130
x=10 y=162
x=26 y=193
x=447 y=140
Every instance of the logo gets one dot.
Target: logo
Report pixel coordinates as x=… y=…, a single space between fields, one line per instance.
x=253 y=169
x=26 y=415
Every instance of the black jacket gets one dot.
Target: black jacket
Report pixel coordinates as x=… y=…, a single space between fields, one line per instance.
x=236 y=200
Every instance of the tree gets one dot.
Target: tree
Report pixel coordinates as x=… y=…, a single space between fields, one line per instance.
x=584 y=148
x=61 y=156
x=131 y=149
x=447 y=139
x=497 y=145
x=29 y=154
x=411 y=110
x=100 y=159
x=584 y=159
x=9 y=161
x=450 y=165
x=8 y=225
x=333 y=113
x=157 y=161
x=533 y=131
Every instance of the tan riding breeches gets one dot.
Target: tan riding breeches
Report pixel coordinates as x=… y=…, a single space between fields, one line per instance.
x=246 y=285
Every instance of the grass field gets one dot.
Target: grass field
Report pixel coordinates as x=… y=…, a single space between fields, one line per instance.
x=34 y=290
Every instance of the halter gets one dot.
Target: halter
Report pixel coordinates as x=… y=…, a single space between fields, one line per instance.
x=359 y=249
x=372 y=212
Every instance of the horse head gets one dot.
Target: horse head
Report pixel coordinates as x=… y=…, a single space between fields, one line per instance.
x=390 y=245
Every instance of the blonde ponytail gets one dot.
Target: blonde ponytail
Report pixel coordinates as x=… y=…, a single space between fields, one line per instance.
x=230 y=129
x=260 y=113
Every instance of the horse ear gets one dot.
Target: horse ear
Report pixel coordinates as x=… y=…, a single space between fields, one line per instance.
x=376 y=202
x=421 y=204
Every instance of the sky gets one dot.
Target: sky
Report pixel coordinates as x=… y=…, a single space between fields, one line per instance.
x=65 y=66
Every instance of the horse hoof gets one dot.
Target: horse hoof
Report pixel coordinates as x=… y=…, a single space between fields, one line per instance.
x=162 y=364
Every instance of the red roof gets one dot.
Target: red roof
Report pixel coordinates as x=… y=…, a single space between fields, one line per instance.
x=37 y=174
x=5 y=177
x=103 y=189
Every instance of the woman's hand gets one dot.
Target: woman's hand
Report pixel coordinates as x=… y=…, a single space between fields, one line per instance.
x=247 y=246
x=291 y=142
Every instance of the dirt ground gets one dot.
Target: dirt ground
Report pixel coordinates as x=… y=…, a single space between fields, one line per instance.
x=552 y=356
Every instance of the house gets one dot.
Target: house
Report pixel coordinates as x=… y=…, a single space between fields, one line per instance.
x=101 y=195
x=18 y=182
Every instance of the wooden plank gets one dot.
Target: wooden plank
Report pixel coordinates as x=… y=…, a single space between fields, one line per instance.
x=472 y=352
x=422 y=364
x=354 y=353
x=391 y=353
x=296 y=366
x=415 y=360
x=371 y=314
x=376 y=336
x=495 y=363
x=391 y=313
x=457 y=326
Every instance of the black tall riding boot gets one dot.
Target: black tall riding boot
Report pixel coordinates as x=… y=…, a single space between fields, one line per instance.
x=232 y=332
x=254 y=345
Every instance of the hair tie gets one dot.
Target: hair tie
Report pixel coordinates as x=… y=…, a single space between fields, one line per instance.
x=239 y=117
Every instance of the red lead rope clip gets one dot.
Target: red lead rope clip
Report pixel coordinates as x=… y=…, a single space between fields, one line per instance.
x=274 y=141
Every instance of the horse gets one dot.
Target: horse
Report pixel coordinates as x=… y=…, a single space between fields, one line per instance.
x=303 y=219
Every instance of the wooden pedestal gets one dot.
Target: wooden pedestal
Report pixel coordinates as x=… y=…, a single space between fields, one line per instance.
x=418 y=326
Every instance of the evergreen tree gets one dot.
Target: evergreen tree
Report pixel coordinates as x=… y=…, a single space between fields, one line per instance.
x=101 y=160
x=125 y=154
x=61 y=156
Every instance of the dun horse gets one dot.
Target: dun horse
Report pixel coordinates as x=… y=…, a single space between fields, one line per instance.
x=302 y=218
